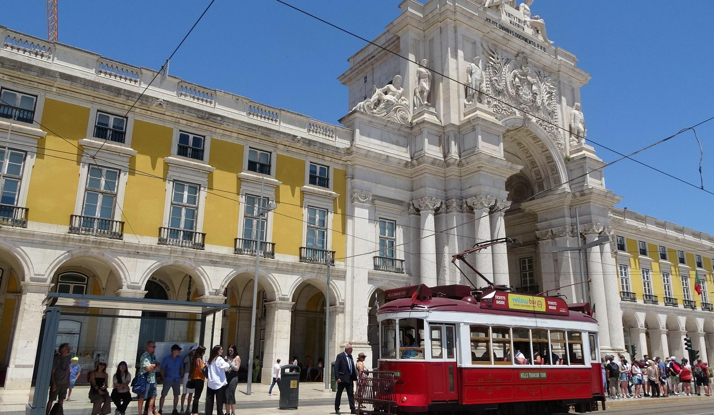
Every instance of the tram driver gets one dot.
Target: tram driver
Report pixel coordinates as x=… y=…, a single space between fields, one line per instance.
x=408 y=351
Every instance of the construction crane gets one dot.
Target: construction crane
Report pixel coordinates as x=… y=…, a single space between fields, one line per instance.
x=52 y=20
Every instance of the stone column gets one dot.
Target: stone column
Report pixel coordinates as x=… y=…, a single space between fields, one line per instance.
x=484 y=259
x=337 y=324
x=454 y=209
x=676 y=343
x=27 y=335
x=612 y=297
x=277 y=336
x=125 y=332
x=660 y=345
x=710 y=349
x=362 y=240
x=427 y=243
x=213 y=323
x=639 y=339
x=500 y=251
x=597 y=285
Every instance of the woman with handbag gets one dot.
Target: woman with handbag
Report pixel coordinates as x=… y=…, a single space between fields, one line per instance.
x=198 y=377
x=121 y=395
x=98 y=394
x=216 y=383
x=232 y=378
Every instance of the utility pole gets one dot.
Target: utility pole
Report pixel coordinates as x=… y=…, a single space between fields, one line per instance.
x=328 y=364
x=260 y=212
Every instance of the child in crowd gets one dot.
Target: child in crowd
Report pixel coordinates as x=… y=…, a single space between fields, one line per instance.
x=74 y=371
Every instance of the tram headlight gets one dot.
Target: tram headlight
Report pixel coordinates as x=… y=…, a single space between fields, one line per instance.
x=404 y=399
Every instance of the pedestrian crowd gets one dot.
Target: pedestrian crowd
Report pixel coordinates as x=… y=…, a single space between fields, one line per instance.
x=218 y=374
x=656 y=378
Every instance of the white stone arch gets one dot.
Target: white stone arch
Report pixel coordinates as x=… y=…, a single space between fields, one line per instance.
x=186 y=266
x=115 y=264
x=336 y=297
x=631 y=320
x=693 y=325
x=22 y=261
x=380 y=285
x=674 y=323
x=543 y=158
x=263 y=276
x=654 y=321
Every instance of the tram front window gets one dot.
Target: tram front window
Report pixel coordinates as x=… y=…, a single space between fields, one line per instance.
x=501 y=339
x=481 y=345
x=575 y=348
x=522 y=347
x=411 y=332
x=389 y=339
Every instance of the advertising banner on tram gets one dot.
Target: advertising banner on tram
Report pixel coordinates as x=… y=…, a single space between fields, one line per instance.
x=530 y=303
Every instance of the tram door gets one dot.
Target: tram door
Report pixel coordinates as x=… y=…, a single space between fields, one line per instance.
x=443 y=376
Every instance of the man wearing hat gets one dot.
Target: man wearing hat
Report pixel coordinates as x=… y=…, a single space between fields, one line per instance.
x=172 y=373
x=673 y=369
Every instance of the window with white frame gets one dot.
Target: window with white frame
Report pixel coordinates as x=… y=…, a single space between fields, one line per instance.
x=698 y=260
x=527 y=272
x=621 y=243
x=667 y=283
x=259 y=161
x=100 y=195
x=316 y=228
x=685 y=286
x=319 y=175
x=705 y=292
x=681 y=257
x=663 y=253
x=387 y=238
x=251 y=221
x=625 y=278
x=643 y=247
x=184 y=206
x=110 y=127
x=11 y=169
x=190 y=145
x=72 y=283
x=646 y=281
x=17 y=106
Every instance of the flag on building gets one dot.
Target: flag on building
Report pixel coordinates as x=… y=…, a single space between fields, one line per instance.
x=697 y=284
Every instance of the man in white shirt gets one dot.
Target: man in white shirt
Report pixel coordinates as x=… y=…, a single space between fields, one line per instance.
x=276 y=377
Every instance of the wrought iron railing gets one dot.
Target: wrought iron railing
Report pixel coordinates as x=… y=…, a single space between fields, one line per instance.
x=690 y=304
x=248 y=246
x=320 y=181
x=671 y=302
x=389 y=264
x=257 y=167
x=707 y=307
x=14 y=216
x=317 y=256
x=628 y=296
x=190 y=152
x=103 y=228
x=376 y=393
x=106 y=133
x=182 y=237
x=16 y=113
x=650 y=299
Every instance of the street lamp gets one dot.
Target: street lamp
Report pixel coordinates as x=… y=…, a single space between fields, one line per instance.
x=261 y=212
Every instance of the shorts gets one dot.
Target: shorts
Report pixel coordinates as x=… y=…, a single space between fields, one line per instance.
x=150 y=391
x=186 y=389
x=703 y=382
x=71 y=383
x=623 y=377
x=175 y=385
x=59 y=393
x=674 y=380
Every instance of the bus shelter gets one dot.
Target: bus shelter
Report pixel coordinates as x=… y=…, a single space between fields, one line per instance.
x=59 y=305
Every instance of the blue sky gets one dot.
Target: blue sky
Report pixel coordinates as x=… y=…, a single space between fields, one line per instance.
x=651 y=64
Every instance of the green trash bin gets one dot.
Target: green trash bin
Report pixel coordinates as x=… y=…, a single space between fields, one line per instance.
x=290 y=390
x=333 y=380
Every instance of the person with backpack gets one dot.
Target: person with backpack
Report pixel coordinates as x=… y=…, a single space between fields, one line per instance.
x=673 y=370
x=699 y=376
x=613 y=376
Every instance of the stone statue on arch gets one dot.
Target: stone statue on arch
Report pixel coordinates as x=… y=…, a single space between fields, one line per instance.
x=475 y=79
x=423 y=87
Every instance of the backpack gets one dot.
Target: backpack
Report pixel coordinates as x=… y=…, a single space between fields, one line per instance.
x=614 y=369
x=675 y=368
x=698 y=372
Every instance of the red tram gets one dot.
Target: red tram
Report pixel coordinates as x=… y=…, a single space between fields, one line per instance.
x=450 y=351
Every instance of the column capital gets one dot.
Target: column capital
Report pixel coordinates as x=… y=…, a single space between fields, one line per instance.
x=501 y=205
x=361 y=196
x=211 y=299
x=35 y=287
x=639 y=330
x=129 y=293
x=337 y=309
x=480 y=202
x=544 y=235
x=592 y=229
x=455 y=205
x=279 y=305
x=427 y=204
x=564 y=231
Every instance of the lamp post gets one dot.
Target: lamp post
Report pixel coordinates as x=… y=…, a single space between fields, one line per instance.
x=327 y=365
x=260 y=212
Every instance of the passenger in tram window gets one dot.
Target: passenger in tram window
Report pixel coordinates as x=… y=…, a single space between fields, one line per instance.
x=520 y=358
x=537 y=359
x=408 y=343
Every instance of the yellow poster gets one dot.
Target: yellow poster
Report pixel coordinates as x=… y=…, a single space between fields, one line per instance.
x=526 y=302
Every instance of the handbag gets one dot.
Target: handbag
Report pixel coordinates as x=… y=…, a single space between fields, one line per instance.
x=204 y=370
x=139 y=384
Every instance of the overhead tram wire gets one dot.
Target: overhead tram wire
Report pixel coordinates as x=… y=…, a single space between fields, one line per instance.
x=484 y=92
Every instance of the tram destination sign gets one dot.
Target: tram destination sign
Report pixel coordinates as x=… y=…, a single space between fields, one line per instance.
x=533 y=375
x=529 y=303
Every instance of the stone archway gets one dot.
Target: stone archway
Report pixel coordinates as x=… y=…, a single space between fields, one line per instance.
x=376 y=299
x=308 y=324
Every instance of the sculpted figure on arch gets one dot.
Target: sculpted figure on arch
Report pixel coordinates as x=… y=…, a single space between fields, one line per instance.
x=535 y=22
x=577 y=124
x=388 y=102
x=421 y=92
x=497 y=4
x=475 y=78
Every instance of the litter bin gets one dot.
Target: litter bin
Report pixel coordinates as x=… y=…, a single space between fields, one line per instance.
x=290 y=391
x=333 y=379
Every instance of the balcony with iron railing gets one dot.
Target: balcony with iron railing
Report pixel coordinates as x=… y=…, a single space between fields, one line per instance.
x=671 y=302
x=389 y=264
x=651 y=299
x=690 y=304
x=707 y=307
x=13 y=216
x=257 y=167
x=319 y=181
x=190 y=152
x=247 y=247
x=102 y=228
x=316 y=256
x=182 y=237
x=106 y=133
x=628 y=296
x=528 y=289
x=16 y=113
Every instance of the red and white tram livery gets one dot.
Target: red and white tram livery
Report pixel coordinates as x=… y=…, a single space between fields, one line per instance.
x=515 y=353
